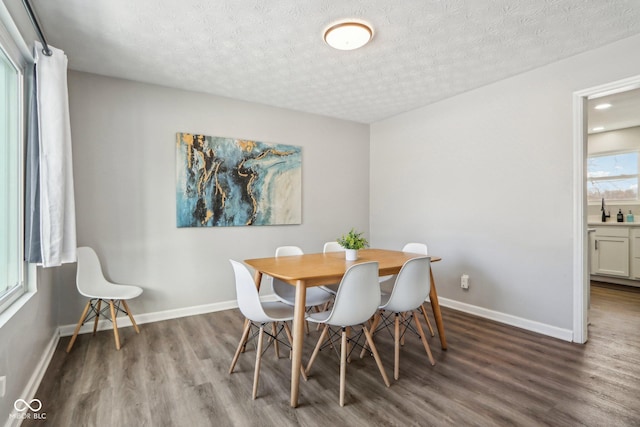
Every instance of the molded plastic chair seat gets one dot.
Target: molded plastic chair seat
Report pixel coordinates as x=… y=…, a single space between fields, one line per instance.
x=416 y=248
x=409 y=292
x=261 y=313
x=332 y=247
x=356 y=301
x=275 y=312
x=114 y=292
x=387 y=282
x=286 y=293
x=91 y=283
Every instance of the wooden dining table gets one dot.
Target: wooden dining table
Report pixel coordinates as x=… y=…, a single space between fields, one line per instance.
x=304 y=271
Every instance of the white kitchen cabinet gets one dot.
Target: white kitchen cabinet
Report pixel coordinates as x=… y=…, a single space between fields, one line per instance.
x=610 y=251
x=635 y=253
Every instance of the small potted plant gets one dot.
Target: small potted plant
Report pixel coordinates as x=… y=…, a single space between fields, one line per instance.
x=351 y=242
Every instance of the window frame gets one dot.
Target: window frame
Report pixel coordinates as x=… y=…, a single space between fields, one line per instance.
x=12 y=52
x=635 y=201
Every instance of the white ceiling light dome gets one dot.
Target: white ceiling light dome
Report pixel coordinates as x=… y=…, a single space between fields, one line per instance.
x=348 y=35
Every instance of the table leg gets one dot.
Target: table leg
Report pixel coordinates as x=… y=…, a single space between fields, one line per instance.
x=298 y=340
x=433 y=296
x=257 y=277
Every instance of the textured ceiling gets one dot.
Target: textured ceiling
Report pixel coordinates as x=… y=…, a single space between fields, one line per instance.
x=272 y=52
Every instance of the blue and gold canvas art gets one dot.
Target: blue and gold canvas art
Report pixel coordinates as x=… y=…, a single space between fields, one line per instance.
x=233 y=182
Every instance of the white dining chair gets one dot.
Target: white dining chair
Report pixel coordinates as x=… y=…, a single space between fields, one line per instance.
x=409 y=292
x=91 y=283
x=316 y=296
x=387 y=282
x=357 y=299
x=332 y=247
x=258 y=314
x=416 y=248
x=420 y=248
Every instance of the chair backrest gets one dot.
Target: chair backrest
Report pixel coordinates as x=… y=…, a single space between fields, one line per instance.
x=280 y=288
x=416 y=248
x=247 y=294
x=89 y=278
x=332 y=247
x=412 y=286
x=288 y=251
x=358 y=295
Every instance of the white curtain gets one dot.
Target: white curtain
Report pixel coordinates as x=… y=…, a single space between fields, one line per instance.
x=57 y=219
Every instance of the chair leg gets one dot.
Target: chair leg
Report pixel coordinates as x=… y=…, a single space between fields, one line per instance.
x=287 y=331
x=376 y=356
x=244 y=344
x=116 y=336
x=348 y=332
x=426 y=319
x=95 y=323
x=321 y=340
x=274 y=329
x=404 y=318
x=324 y=308
x=343 y=365
x=256 y=373
x=135 y=325
x=396 y=347
x=245 y=334
x=80 y=322
x=374 y=325
x=423 y=338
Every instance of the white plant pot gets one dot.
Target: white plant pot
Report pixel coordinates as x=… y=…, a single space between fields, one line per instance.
x=351 y=254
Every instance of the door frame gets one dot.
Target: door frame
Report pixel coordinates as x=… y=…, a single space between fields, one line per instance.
x=580 y=245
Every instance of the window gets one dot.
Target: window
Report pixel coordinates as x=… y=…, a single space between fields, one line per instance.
x=613 y=176
x=12 y=284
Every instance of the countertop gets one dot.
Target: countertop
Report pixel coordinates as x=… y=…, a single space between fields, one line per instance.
x=613 y=223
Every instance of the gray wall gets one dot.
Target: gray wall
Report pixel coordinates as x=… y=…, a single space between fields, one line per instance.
x=124 y=137
x=485 y=178
x=24 y=341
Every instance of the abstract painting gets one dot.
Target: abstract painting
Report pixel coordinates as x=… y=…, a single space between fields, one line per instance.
x=233 y=182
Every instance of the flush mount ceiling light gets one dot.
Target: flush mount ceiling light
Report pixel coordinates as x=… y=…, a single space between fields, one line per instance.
x=602 y=106
x=597 y=128
x=348 y=35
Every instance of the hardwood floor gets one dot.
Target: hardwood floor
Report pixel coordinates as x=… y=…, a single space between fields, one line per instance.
x=175 y=374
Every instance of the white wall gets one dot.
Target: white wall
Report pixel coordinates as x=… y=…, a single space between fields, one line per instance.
x=124 y=137
x=485 y=178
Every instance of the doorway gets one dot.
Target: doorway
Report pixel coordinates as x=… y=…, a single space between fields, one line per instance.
x=580 y=265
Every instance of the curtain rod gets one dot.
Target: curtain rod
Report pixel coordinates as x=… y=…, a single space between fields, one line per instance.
x=36 y=26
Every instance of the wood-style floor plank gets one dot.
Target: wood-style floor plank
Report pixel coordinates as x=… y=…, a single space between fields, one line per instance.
x=174 y=373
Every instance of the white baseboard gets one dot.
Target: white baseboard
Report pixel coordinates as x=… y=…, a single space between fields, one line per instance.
x=508 y=319
x=31 y=388
x=519 y=322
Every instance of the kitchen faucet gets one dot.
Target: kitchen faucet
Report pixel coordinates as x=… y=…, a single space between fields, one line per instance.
x=605 y=215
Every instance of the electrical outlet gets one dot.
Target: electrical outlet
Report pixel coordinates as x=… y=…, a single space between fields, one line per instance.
x=464 y=281
x=3 y=385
